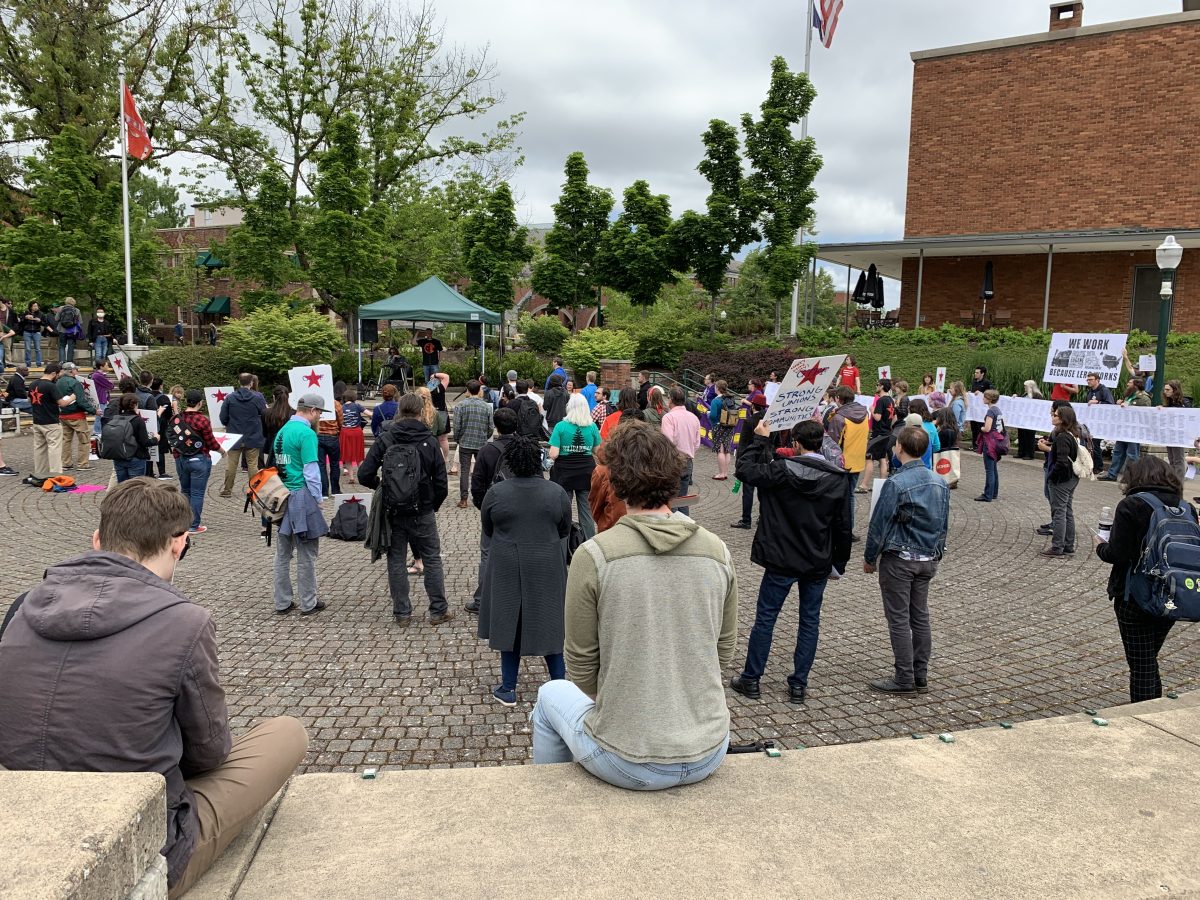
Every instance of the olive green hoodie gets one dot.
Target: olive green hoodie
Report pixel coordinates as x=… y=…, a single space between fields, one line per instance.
x=651 y=621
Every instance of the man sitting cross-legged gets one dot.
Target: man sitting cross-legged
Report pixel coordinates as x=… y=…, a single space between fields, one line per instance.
x=651 y=620
x=107 y=667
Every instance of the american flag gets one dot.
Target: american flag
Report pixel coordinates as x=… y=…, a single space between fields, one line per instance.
x=825 y=19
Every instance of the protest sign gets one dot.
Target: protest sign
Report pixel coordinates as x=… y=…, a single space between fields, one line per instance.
x=227 y=442
x=214 y=397
x=314 y=380
x=885 y=372
x=1169 y=427
x=89 y=388
x=1072 y=357
x=1147 y=363
x=801 y=391
x=939 y=380
x=120 y=365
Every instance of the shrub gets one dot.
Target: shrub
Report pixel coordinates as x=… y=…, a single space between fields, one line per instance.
x=269 y=341
x=543 y=334
x=345 y=367
x=583 y=351
x=197 y=366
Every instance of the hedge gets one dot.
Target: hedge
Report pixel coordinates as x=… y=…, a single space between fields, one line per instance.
x=197 y=366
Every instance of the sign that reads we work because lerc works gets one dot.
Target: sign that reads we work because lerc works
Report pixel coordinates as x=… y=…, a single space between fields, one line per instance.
x=1073 y=357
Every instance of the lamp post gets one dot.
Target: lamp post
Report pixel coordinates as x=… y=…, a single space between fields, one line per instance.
x=1168 y=255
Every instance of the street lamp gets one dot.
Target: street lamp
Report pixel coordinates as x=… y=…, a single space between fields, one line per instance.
x=1168 y=255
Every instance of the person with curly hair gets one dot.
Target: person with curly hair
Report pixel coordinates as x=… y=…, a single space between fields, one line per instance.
x=527 y=520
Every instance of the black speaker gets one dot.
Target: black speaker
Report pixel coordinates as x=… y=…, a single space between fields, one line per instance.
x=370 y=330
x=474 y=334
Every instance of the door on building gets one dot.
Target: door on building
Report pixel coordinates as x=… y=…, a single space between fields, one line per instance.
x=1147 y=282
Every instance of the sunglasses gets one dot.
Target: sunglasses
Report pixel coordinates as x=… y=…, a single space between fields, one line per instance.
x=187 y=544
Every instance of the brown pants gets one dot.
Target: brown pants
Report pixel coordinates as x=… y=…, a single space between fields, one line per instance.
x=77 y=435
x=259 y=764
x=233 y=462
x=47 y=450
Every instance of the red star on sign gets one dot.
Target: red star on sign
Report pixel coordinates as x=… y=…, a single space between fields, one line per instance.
x=810 y=375
x=313 y=379
x=352 y=500
x=35 y=396
x=222 y=439
x=220 y=395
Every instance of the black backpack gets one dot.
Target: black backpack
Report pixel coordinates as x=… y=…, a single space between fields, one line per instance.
x=181 y=438
x=401 y=478
x=68 y=318
x=118 y=440
x=349 y=523
x=503 y=469
x=529 y=419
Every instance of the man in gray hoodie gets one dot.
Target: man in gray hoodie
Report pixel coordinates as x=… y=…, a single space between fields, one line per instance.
x=107 y=667
x=643 y=709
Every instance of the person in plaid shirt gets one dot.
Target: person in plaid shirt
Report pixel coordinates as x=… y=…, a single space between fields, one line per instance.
x=194 y=470
x=472 y=429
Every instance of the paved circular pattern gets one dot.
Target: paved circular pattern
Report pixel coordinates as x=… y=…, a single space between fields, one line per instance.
x=1015 y=636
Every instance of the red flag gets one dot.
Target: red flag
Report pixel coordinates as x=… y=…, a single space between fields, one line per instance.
x=137 y=138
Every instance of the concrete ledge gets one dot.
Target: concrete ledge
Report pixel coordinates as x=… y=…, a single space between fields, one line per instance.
x=221 y=882
x=82 y=835
x=1074 y=811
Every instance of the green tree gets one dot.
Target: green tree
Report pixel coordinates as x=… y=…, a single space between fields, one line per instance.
x=259 y=251
x=271 y=341
x=350 y=262
x=70 y=242
x=637 y=253
x=158 y=199
x=780 y=186
x=566 y=274
x=496 y=249
x=709 y=241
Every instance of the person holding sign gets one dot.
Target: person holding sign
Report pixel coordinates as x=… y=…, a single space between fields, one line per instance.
x=803 y=534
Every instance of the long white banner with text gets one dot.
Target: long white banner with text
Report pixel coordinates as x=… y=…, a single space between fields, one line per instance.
x=1168 y=427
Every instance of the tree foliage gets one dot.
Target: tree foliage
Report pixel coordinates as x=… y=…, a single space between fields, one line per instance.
x=543 y=334
x=583 y=351
x=636 y=253
x=496 y=249
x=270 y=341
x=780 y=186
x=567 y=274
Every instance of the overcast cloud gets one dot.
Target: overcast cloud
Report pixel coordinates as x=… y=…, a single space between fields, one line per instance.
x=634 y=84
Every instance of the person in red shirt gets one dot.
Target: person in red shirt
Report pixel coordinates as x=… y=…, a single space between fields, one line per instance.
x=848 y=375
x=1063 y=392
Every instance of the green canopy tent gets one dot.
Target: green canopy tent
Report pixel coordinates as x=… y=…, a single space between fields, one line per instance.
x=430 y=301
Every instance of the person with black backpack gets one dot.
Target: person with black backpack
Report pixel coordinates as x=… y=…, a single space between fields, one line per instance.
x=68 y=325
x=529 y=414
x=1150 y=483
x=407 y=471
x=491 y=467
x=125 y=440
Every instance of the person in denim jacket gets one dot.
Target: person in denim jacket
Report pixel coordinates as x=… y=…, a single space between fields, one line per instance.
x=906 y=538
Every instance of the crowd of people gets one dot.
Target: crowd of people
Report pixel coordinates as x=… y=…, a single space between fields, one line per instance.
x=588 y=558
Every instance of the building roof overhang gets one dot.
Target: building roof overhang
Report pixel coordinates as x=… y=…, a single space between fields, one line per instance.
x=888 y=256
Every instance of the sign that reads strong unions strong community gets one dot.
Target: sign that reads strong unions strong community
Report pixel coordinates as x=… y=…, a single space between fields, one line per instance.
x=801 y=391
x=1072 y=357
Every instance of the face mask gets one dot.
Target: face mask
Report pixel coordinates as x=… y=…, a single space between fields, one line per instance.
x=100 y=316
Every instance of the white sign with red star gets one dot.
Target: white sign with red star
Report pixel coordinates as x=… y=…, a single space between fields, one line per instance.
x=313 y=380
x=364 y=498
x=885 y=372
x=214 y=397
x=89 y=388
x=227 y=442
x=120 y=364
x=802 y=389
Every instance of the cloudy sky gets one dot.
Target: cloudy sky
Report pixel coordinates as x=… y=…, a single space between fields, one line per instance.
x=634 y=83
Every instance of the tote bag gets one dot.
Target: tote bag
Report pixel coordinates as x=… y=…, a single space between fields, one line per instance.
x=948 y=464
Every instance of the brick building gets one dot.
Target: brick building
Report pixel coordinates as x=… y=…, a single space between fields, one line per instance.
x=1063 y=159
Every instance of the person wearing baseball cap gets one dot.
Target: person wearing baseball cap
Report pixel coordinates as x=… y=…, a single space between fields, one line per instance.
x=295 y=452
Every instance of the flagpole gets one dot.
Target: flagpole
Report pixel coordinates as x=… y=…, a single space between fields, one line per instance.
x=808 y=30
x=125 y=210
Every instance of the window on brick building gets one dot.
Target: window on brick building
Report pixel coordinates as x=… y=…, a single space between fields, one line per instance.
x=1146 y=302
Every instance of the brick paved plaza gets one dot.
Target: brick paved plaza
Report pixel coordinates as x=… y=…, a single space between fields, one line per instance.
x=1015 y=636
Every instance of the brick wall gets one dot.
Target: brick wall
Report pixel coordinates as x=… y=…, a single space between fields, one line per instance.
x=1088 y=291
x=1090 y=132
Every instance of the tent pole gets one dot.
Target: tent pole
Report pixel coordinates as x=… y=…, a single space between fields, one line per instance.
x=483 y=348
x=358 y=319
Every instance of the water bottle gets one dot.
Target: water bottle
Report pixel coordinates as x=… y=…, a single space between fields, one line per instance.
x=737 y=486
x=1104 y=529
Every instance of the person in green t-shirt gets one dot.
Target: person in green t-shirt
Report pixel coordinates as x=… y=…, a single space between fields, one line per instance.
x=571 y=445
x=303 y=523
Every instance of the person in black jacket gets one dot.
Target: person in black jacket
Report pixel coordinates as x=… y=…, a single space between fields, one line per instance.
x=555 y=401
x=1141 y=633
x=139 y=463
x=487 y=464
x=1061 y=448
x=419 y=529
x=803 y=535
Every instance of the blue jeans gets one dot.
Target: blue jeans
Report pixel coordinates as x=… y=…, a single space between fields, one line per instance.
x=128 y=468
x=100 y=349
x=429 y=370
x=771 y=594
x=33 y=341
x=193 y=472
x=66 y=349
x=559 y=737
x=510 y=664
x=991 y=478
x=854 y=477
x=1123 y=452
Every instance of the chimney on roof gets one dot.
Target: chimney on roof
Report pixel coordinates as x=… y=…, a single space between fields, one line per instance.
x=1066 y=15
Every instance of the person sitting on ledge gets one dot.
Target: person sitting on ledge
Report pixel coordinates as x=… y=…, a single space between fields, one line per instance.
x=107 y=667
x=644 y=709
